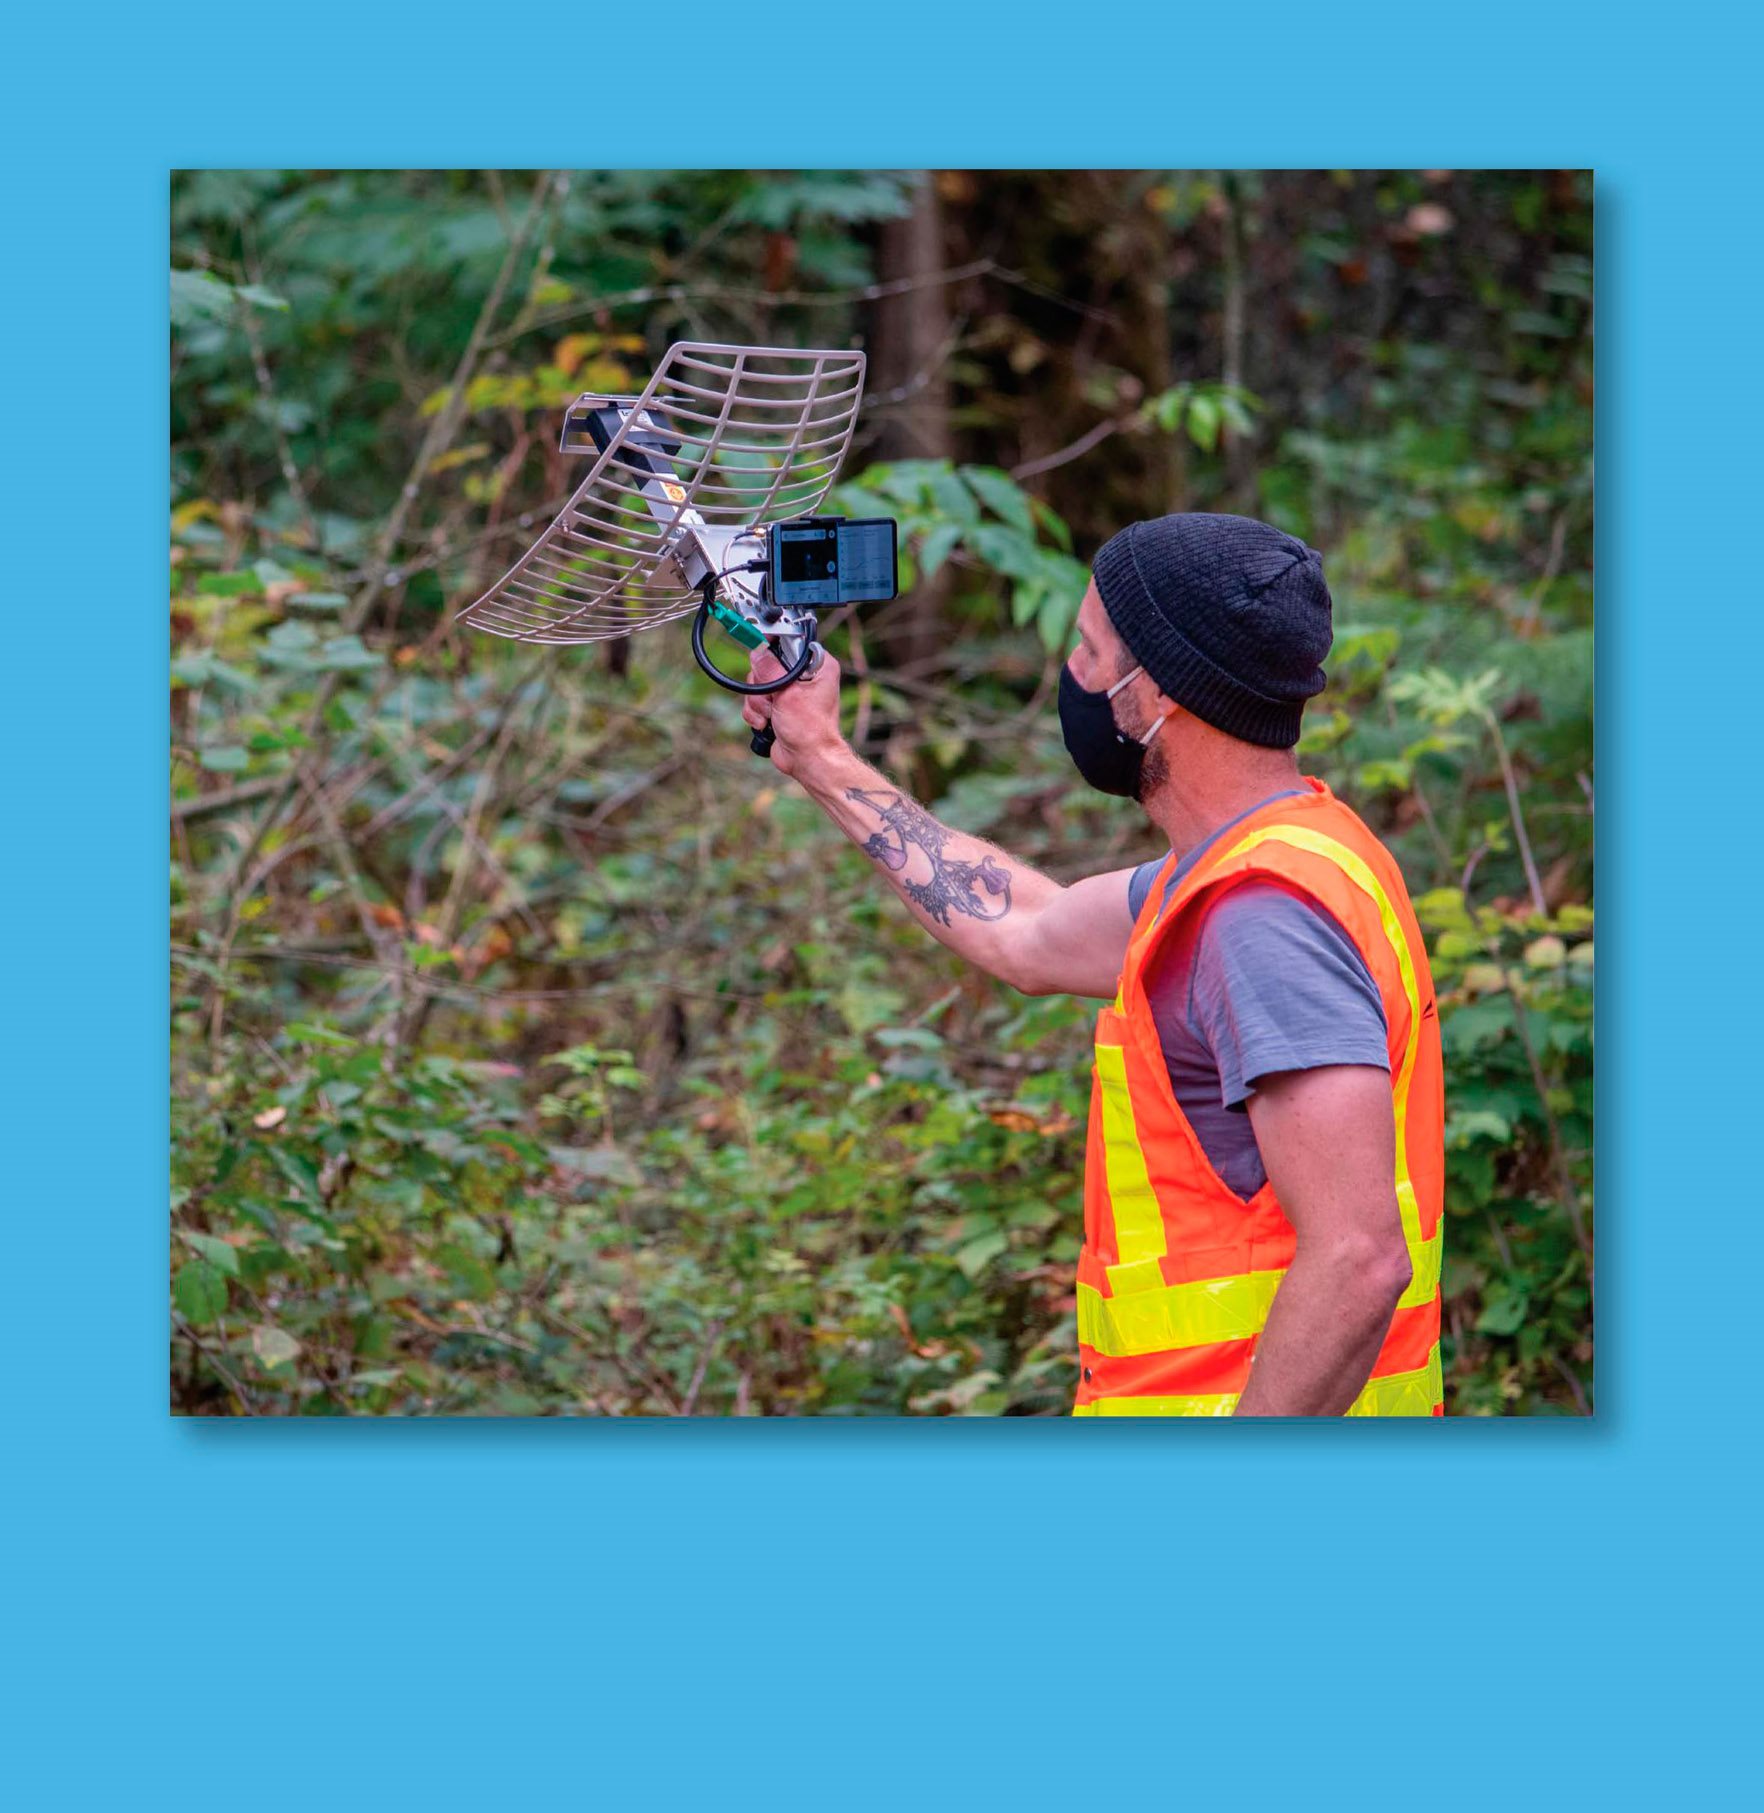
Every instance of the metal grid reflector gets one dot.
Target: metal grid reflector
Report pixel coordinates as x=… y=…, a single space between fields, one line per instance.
x=723 y=438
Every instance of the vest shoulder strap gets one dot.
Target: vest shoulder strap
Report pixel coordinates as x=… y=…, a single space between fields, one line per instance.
x=1312 y=843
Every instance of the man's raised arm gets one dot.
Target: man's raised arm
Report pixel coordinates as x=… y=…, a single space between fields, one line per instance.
x=986 y=905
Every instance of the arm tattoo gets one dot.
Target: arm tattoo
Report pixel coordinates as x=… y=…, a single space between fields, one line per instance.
x=980 y=890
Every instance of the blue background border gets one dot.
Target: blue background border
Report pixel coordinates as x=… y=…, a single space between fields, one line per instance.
x=528 y=1614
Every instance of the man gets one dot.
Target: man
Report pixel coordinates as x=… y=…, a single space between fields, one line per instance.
x=1265 y=1165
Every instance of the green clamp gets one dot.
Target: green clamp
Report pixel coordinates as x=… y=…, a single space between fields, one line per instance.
x=736 y=624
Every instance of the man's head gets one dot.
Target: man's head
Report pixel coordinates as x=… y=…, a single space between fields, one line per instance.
x=1228 y=618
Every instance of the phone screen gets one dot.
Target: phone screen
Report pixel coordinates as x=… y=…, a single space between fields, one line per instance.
x=833 y=561
x=805 y=565
x=866 y=560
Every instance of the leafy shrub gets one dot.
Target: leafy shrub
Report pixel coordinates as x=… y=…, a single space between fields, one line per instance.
x=533 y=1052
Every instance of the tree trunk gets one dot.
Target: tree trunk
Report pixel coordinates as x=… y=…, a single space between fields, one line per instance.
x=909 y=387
x=1239 y=462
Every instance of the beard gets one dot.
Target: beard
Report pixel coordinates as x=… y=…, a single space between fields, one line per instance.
x=1153 y=771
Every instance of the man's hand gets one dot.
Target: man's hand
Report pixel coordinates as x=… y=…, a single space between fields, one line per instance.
x=805 y=715
x=1328 y=1142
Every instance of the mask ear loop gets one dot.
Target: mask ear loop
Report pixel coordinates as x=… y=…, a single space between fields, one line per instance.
x=1145 y=741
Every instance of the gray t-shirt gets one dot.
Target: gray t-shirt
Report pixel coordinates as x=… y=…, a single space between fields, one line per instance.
x=1268 y=981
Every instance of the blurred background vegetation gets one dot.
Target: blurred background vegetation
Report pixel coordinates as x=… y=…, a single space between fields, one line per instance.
x=534 y=1049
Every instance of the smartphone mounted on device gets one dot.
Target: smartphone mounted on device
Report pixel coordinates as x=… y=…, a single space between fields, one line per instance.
x=822 y=560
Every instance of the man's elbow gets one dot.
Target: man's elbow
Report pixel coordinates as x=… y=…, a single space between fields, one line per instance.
x=1386 y=1271
x=1373 y=1271
x=1394 y=1272
x=1020 y=966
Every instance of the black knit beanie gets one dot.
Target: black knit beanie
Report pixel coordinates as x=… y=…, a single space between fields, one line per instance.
x=1229 y=616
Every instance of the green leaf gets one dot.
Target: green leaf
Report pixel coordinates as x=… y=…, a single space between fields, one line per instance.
x=1503 y=1313
x=904 y=481
x=1441 y=909
x=228 y=585
x=1006 y=550
x=606 y=1164
x=1235 y=406
x=1476 y=1123
x=473 y=1277
x=954 y=498
x=344 y=654
x=1002 y=495
x=291 y=644
x=200 y=1292
x=196 y=297
x=209 y=669
x=1168 y=406
x=1026 y=601
x=1203 y=421
x=216 y=1252
x=1054 y=524
x=1054 y=622
x=864 y=1007
x=310 y=1034
x=229 y=758
x=920 y=1038
x=936 y=546
x=978 y=1254
x=1534 y=321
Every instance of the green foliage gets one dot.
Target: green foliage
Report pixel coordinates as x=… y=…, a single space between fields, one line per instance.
x=548 y=1055
x=978 y=517
x=1201 y=411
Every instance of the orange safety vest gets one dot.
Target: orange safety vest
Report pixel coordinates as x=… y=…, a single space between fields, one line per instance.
x=1177 y=1272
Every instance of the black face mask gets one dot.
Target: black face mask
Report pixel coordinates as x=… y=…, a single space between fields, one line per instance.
x=1102 y=752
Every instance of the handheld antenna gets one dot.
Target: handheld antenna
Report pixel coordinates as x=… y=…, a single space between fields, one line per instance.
x=722 y=440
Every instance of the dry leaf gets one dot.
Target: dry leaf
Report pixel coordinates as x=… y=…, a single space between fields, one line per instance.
x=269 y=1118
x=273 y=1346
x=926 y=1350
x=571 y=350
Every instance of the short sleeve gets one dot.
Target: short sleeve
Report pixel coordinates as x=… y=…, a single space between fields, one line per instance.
x=1139 y=885
x=1277 y=984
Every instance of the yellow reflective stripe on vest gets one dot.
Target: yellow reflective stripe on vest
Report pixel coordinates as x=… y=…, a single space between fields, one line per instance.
x=1133 y=1203
x=1175 y=1315
x=1221 y=1405
x=1138 y=1322
x=1403 y=1393
x=1355 y=867
x=1396 y=1394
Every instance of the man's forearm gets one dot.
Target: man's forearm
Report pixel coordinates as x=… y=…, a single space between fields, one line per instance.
x=965 y=892
x=1324 y=1331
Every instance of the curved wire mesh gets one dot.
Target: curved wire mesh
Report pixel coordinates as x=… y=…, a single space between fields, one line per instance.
x=722 y=438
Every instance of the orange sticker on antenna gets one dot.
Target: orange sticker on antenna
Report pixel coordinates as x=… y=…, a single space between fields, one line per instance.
x=675 y=494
